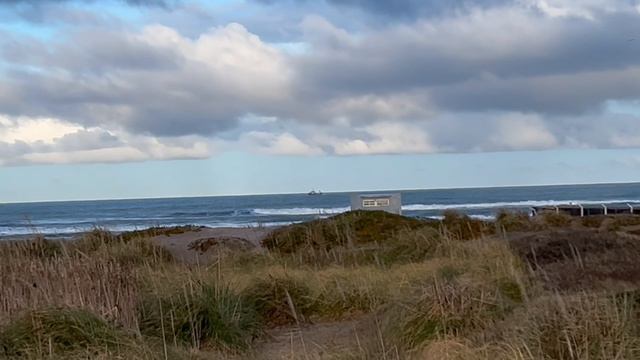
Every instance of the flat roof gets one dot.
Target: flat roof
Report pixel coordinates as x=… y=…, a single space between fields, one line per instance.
x=377 y=195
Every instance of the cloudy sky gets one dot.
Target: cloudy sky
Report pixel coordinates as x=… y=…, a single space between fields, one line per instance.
x=143 y=98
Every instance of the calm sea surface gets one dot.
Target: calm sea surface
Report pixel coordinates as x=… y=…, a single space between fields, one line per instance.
x=66 y=218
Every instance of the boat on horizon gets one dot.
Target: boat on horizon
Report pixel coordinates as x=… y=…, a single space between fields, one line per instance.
x=313 y=192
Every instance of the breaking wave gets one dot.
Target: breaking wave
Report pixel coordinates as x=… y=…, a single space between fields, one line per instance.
x=435 y=207
x=515 y=204
x=301 y=211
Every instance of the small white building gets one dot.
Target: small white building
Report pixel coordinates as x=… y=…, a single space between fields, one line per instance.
x=391 y=203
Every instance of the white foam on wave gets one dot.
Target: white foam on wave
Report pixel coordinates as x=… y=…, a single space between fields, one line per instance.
x=514 y=204
x=427 y=207
x=252 y=224
x=70 y=227
x=6 y=231
x=301 y=211
x=478 y=217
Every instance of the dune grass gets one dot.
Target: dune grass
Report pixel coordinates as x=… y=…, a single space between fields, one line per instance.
x=516 y=288
x=50 y=331
x=199 y=315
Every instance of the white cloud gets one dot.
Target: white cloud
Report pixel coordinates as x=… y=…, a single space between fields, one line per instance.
x=34 y=129
x=431 y=84
x=231 y=56
x=279 y=144
x=522 y=132
x=386 y=138
x=53 y=141
x=558 y=10
x=586 y=9
x=121 y=154
x=151 y=149
x=625 y=140
x=386 y=108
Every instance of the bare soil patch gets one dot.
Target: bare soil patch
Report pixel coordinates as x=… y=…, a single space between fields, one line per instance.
x=205 y=245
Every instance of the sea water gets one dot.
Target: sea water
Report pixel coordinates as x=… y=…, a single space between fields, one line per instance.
x=69 y=217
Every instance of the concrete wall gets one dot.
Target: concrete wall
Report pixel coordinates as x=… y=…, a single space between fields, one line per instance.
x=395 y=202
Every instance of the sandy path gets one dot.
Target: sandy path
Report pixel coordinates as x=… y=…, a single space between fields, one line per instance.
x=317 y=341
x=179 y=244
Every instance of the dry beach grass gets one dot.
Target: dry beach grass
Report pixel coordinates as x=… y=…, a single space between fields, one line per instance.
x=356 y=286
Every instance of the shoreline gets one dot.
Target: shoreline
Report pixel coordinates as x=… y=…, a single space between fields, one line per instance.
x=80 y=234
x=190 y=245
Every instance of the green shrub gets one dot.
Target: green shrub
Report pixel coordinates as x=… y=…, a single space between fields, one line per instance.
x=280 y=300
x=199 y=314
x=593 y=221
x=462 y=227
x=449 y=272
x=347 y=229
x=411 y=246
x=554 y=219
x=138 y=252
x=511 y=221
x=405 y=246
x=125 y=250
x=96 y=239
x=445 y=308
x=511 y=290
x=344 y=296
x=583 y=326
x=36 y=248
x=56 y=331
x=159 y=230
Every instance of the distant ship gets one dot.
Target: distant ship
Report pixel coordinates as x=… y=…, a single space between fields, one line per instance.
x=313 y=192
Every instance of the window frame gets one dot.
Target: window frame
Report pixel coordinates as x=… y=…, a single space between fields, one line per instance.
x=378 y=202
x=384 y=202
x=369 y=203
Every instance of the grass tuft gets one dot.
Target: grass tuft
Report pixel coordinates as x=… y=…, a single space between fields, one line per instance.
x=280 y=300
x=462 y=227
x=582 y=326
x=554 y=219
x=200 y=315
x=60 y=330
x=446 y=309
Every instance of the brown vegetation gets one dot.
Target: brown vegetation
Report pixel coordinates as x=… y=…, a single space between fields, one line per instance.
x=355 y=286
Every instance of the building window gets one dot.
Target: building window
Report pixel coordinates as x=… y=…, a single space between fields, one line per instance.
x=368 y=203
x=382 y=202
x=375 y=202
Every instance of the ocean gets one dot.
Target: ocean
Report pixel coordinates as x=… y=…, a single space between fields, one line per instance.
x=69 y=217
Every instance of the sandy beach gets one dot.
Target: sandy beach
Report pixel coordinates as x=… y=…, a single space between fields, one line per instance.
x=202 y=246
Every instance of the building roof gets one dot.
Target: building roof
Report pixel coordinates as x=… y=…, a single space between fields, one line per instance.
x=377 y=196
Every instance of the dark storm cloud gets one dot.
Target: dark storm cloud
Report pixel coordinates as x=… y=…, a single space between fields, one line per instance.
x=400 y=8
x=143 y=103
x=130 y=81
x=43 y=2
x=87 y=140
x=82 y=53
x=82 y=140
x=541 y=65
x=51 y=12
x=559 y=94
x=478 y=77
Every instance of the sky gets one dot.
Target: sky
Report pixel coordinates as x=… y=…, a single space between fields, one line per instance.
x=157 y=98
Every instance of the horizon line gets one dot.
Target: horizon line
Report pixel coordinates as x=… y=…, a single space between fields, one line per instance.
x=323 y=192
